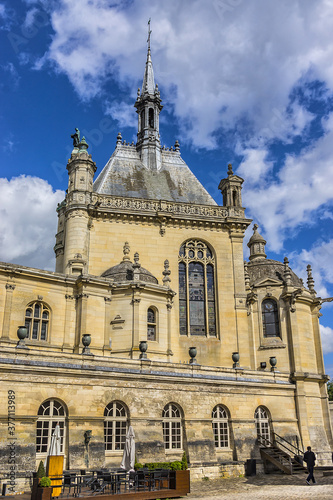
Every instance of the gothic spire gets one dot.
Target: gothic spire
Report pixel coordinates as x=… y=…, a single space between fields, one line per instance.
x=148 y=106
x=148 y=84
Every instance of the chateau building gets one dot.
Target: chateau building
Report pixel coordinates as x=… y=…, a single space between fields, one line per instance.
x=153 y=319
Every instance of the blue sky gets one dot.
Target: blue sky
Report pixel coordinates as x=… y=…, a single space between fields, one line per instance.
x=243 y=82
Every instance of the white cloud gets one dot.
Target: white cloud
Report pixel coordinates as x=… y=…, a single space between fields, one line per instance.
x=290 y=199
x=123 y=113
x=14 y=77
x=326 y=338
x=28 y=221
x=320 y=257
x=220 y=64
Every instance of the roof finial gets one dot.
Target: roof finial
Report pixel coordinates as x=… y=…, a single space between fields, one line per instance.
x=149 y=33
x=126 y=251
x=310 y=280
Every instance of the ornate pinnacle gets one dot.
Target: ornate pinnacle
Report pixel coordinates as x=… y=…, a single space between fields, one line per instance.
x=287 y=273
x=136 y=260
x=149 y=33
x=177 y=147
x=119 y=138
x=310 y=280
x=230 y=172
x=83 y=146
x=166 y=273
x=126 y=251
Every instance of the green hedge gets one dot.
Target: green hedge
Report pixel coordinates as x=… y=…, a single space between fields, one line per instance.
x=176 y=465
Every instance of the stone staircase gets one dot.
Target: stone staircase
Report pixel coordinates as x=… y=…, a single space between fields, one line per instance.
x=272 y=452
x=281 y=459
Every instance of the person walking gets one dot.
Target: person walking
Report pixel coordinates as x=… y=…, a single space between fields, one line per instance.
x=310 y=459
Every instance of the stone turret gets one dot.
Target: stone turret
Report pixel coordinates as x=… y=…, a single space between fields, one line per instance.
x=72 y=237
x=231 y=189
x=256 y=245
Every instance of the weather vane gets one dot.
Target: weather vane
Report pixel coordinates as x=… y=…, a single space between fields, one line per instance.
x=149 y=33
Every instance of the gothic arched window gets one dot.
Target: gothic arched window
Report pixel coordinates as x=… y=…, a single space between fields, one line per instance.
x=220 y=423
x=115 y=426
x=172 y=427
x=270 y=318
x=37 y=316
x=197 y=309
x=50 y=413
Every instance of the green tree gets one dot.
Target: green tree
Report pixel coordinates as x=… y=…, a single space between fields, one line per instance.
x=41 y=470
x=330 y=390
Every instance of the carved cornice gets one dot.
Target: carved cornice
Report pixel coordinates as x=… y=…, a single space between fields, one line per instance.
x=167 y=212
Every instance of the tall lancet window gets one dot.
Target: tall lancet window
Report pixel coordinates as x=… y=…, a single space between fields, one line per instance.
x=197 y=295
x=142 y=120
x=151 y=118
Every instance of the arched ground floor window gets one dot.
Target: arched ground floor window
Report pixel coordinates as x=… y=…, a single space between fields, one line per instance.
x=50 y=413
x=172 y=427
x=115 y=426
x=263 y=426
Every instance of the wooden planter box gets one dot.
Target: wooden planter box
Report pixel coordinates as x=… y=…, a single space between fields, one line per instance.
x=44 y=493
x=180 y=481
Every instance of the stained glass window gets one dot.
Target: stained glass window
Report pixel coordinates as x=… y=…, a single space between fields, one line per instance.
x=197 y=295
x=270 y=318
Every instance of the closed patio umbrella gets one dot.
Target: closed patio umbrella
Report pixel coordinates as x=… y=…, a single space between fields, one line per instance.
x=55 y=445
x=128 y=460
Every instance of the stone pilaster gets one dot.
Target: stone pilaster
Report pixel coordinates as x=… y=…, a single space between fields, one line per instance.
x=10 y=287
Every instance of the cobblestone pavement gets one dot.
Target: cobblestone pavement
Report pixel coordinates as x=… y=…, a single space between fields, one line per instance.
x=266 y=486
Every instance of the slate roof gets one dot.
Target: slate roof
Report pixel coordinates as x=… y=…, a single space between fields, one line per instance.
x=125 y=175
x=267 y=268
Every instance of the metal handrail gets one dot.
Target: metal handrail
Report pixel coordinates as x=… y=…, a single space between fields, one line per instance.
x=262 y=438
x=294 y=448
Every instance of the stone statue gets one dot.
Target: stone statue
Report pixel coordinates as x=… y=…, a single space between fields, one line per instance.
x=76 y=138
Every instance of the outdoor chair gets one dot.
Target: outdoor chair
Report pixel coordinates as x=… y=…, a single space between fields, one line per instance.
x=70 y=482
x=104 y=483
x=121 y=481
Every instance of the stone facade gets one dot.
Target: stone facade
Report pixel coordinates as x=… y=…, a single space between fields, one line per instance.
x=120 y=253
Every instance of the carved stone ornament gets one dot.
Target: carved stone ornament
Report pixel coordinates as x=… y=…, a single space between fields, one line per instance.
x=291 y=299
x=251 y=298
